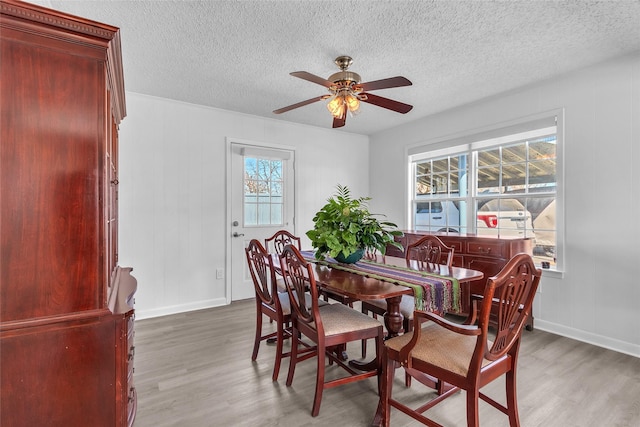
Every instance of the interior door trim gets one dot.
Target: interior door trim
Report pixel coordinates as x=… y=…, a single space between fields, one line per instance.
x=229 y=142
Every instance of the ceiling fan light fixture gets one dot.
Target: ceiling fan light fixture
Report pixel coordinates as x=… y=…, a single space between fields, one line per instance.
x=353 y=103
x=336 y=106
x=343 y=101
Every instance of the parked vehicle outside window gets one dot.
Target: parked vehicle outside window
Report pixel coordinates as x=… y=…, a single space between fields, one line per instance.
x=545 y=229
x=441 y=216
x=504 y=217
x=496 y=217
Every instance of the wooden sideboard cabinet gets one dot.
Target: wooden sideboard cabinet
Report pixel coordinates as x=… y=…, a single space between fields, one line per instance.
x=484 y=253
x=120 y=303
x=66 y=308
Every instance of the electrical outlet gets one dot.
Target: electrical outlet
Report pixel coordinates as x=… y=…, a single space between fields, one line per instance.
x=219 y=273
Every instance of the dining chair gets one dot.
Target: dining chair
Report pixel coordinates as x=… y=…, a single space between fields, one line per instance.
x=276 y=243
x=426 y=254
x=455 y=357
x=269 y=302
x=326 y=326
x=282 y=238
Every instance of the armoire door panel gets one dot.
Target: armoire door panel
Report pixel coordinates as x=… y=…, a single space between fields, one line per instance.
x=51 y=215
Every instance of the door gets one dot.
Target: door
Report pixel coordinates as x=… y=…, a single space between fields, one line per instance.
x=261 y=188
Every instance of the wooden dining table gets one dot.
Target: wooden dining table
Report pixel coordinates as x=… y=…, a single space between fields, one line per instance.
x=361 y=287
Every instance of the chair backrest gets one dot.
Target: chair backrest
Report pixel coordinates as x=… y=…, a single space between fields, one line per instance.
x=428 y=253
x=281 y=239
x=298 y=276
x=262 y=272
x=511 y=294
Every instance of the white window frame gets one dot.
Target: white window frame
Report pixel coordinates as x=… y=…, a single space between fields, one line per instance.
x=492 y=136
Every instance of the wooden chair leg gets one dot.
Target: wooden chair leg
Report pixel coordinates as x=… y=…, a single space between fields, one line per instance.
x=408 y=326
x=472 y=408
x=388 y=372
x=407 y=379
x=317 y=399
x=293 y=359
x=256 y=343
x=364 y=342
x=512 y=400
x=379 y=340
x=279 y=346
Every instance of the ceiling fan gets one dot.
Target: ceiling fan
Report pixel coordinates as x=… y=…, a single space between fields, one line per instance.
x=346 y=92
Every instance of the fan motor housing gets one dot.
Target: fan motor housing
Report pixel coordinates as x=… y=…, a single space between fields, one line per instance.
x=345 y=76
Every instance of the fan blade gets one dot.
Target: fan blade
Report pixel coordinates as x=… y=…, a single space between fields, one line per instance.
x=312 y=78
x=338 y=122
x=398 y=81
x=299 y=104
x=387 y=103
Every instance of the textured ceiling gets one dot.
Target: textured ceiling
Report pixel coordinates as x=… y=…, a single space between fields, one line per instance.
x=237 y=55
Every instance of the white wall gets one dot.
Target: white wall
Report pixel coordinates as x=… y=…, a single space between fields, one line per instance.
x=598 y=298
x=172 y=192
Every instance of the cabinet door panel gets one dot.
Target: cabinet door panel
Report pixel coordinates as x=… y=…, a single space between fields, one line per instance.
x=488 y=266
x=51 y=152
x=50 y=377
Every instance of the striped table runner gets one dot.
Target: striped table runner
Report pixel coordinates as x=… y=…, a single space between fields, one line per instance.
x=440 y=294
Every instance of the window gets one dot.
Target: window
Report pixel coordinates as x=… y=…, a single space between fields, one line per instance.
x=499 y=183
x=263 y=191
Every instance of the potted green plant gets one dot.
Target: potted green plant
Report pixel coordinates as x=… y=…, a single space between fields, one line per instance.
x=344 y=228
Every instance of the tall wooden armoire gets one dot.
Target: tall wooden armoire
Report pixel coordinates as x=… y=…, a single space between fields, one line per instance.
x=66 y=308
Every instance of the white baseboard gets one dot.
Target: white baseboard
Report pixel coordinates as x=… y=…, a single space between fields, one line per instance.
x=588 y=337
x=175 y=309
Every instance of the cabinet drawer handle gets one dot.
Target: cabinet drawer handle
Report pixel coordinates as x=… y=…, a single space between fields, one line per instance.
x=132 y=352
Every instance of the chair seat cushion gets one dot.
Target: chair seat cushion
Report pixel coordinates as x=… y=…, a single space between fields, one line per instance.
x=286 y=304
x=339 y=318
x=407 y=305
x=440 y=347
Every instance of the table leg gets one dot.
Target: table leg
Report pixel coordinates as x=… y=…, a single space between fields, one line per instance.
x=393 y=321
x=393 y=318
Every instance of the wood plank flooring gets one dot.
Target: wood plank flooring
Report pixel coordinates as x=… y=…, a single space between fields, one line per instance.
x=195 y=370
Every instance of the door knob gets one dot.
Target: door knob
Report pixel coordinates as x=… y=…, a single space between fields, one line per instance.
x=236 y=234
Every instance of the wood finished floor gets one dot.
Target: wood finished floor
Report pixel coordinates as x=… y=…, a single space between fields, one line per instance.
x=195 y=370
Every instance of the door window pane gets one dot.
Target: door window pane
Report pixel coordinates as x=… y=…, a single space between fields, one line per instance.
x=263 y=195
